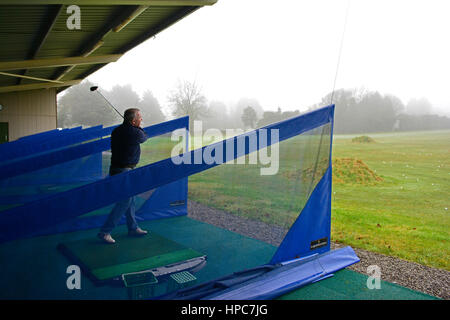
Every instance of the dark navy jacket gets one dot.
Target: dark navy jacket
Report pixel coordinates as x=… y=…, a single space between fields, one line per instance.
x=125 y=148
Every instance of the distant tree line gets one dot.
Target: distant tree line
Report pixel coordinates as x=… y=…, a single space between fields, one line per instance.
x=357 y=110
x=79 y=106
x=272 y=116
x=363 y=111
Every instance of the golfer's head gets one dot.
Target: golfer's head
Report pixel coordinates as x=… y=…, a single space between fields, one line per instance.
x=133 y=116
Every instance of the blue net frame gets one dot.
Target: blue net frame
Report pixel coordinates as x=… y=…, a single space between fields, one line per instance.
x=309 y=235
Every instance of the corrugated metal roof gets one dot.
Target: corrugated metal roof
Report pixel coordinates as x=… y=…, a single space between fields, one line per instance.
x=29 y=32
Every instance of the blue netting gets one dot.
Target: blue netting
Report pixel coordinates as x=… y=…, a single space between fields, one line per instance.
x=296 y=199
x=63 y=206
x=38 y=175
x=21 y=146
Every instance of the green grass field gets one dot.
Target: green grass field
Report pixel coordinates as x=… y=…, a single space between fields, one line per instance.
x=394 y=200
x=406 y=215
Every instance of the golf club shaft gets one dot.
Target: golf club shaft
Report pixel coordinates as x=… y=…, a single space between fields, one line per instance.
x=110 y=104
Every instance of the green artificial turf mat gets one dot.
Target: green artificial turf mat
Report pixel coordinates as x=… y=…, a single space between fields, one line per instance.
x=129 y=254
x=33 y=269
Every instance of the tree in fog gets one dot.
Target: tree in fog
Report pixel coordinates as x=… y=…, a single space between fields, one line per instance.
x=122 y=97
x=397 y=104
x=216 y=117
x=270 y=117
x=187 y=99
x=408 y=122
x=249 y=117
x=364 y=111
x=369 y=111
x=80 y=106
x=238 y=110
x=378 y=113
x=346 y=116
x=150 y=109
x=418 y=106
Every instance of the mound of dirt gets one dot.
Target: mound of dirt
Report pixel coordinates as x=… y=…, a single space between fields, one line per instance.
x=353 y=171
x=308 y=173
x=345 y=170
x=363 y=139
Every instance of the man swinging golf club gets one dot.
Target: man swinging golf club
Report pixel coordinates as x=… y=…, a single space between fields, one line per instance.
x=126 y=151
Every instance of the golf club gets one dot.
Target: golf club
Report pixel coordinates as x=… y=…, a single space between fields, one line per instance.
x=94 y=88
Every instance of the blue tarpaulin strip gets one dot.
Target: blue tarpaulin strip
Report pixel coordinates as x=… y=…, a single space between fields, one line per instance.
x=71 y=153
x=19 y=147
x=48 y=134
x=63 y=206
x=40 y=135
x=269 y=281
x=317 y=213
x=37 y=138
x=61 y=141
x=217 y=285
x=289 y=277
x=52 y=158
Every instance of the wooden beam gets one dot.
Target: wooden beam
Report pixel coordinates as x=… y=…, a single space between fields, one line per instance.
x=121 y=13
x=66 y=70
x=46 y=29
x=47 y=26
x=147 y=34
x=58 y=62
x=112 y=2
x=41 y=85
x=28 y=77
x=136 y=13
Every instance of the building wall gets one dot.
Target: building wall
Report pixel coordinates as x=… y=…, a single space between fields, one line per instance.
x=28 y=112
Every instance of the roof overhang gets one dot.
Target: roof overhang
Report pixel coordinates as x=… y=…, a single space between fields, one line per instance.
x=40 y=51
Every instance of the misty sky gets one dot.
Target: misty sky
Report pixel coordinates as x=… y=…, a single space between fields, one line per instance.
x=284 y=53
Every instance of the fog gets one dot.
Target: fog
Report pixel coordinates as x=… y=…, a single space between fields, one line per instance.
x=283 y=56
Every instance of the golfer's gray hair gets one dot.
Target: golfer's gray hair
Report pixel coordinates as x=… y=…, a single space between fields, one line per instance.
x=130 y=114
